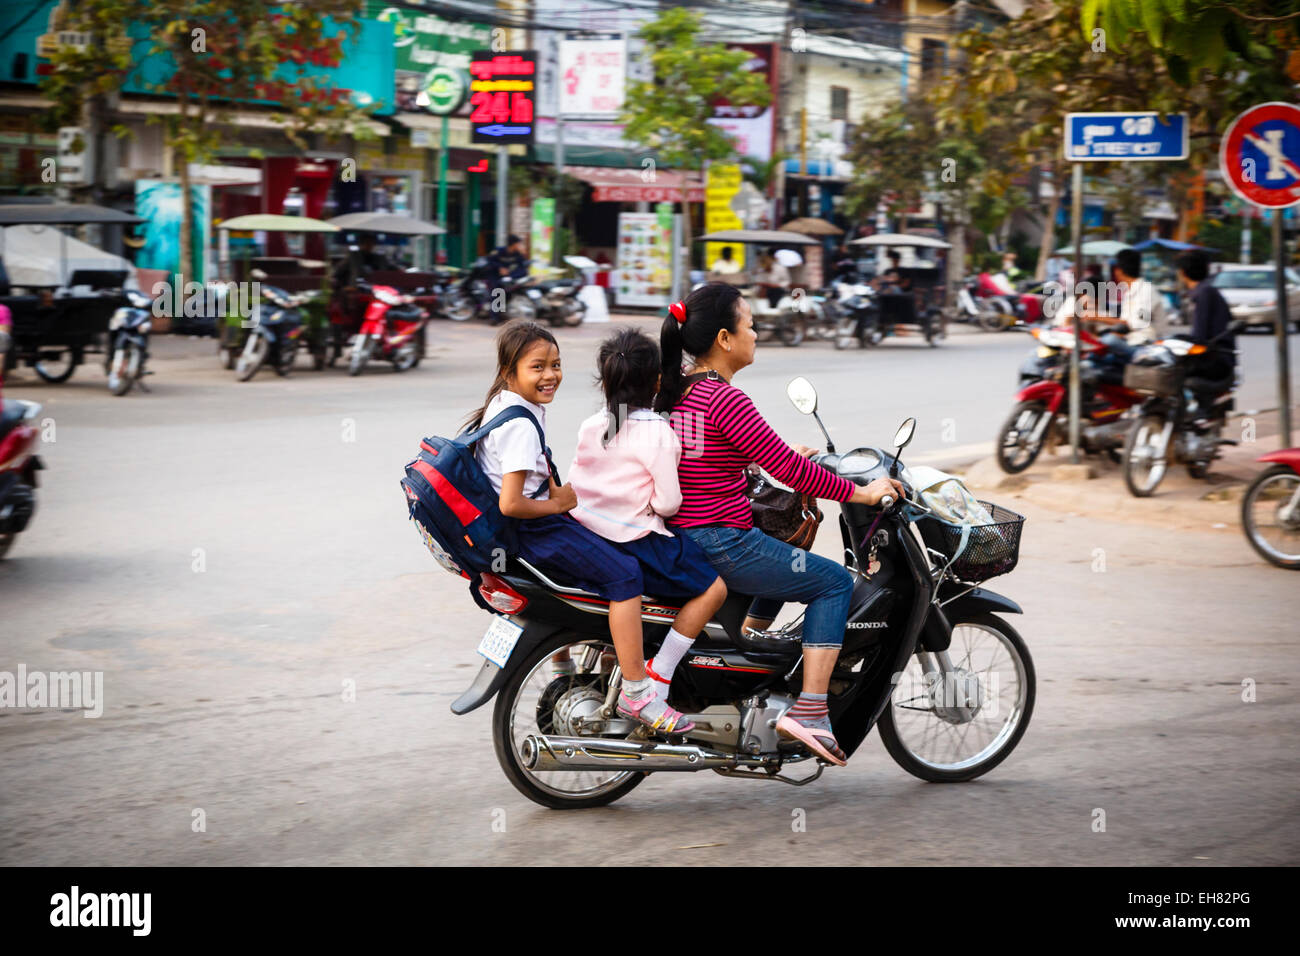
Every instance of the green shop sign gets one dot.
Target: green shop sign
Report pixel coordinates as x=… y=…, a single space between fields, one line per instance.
x=445 y=88
x=422 y=41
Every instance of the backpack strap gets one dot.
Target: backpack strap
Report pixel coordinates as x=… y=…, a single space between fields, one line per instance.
x=509 y=415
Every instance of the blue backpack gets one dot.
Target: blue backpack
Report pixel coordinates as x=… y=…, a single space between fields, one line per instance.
x=453 y=505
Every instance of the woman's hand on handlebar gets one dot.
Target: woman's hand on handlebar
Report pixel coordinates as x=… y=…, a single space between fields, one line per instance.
x=877 y=489
x=804 y=450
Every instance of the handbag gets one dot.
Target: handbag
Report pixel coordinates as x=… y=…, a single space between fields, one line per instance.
x=788 y=516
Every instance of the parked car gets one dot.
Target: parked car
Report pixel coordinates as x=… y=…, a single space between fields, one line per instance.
x=1251 y=293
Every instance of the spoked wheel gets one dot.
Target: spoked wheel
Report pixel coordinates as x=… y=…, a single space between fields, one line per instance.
x=55 y=367
x=1270 y=515
x=1146 y=455
x=947 y=731
x=123 y=369
x=406 y=358
x=251 y=359
x=1023 y=436
x=792 y=331
x=360 y=355
x=538 y=700
x=993 y=319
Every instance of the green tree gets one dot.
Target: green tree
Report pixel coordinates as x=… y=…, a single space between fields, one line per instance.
x=209 y=57
x=670 y=113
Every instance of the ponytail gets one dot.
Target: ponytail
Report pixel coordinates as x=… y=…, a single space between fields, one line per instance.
x=628 y=364
x=708 y=310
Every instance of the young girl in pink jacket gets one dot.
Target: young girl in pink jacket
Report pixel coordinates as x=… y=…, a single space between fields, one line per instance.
x=625 y=477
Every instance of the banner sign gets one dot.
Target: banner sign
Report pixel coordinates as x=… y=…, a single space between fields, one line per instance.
x=592 y=74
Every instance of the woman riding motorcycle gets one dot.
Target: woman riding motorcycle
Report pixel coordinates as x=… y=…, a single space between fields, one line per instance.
x=721 y=432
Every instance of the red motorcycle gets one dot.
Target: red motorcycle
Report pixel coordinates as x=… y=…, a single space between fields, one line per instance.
x=1041 y=412
x=392 y=330
x=1270 y=509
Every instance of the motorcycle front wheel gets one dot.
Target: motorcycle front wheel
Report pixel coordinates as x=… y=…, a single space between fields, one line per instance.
x=1022 y=437
x=1145 y=456
x=930 y=728
x=251 y=359
x=460 y=307
x=360 y=355
x=122 y=369
x=1270 y=516
x=538 y=700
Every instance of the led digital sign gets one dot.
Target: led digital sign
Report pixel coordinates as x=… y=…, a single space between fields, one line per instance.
x=503 y=91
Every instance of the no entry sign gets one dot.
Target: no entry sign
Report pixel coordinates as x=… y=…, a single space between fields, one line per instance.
x=1259 y=155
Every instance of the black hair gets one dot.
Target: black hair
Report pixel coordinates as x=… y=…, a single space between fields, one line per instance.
x=512 y=239
x=628 y=372
x=1129 y=261
x=512 y=342
x=1194 y=263
x=709 y=309
x=726 y=252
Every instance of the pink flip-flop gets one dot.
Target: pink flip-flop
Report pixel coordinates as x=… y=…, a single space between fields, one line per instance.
x=791 y=729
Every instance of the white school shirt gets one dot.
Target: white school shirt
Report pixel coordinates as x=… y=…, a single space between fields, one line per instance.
x=514 y=446
x=1143 y=309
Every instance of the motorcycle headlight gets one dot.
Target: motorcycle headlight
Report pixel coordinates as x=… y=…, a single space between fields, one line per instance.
x=1045 y=352
x=118 y=320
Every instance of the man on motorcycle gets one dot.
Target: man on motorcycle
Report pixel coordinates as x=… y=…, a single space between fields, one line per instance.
x=1210 y=322
x=1141 y=317
x=506 y=262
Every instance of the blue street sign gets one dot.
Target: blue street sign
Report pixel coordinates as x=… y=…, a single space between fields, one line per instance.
x=499 y=130
x=1098 y=137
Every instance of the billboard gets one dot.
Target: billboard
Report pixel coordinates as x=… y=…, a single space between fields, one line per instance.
x=592 y=74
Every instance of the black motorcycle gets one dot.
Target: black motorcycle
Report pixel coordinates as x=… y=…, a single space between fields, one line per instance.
x=128 y=333
x=273 y=338
x=1185 y=411
x=925 y=658
x=554 y=301
x=853 y=299
x=470 y=296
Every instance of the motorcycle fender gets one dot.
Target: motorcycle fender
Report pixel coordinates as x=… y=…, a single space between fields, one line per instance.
x=1049 y=393
x=1283 y=456
x=936 y=633
x=491 y=678
x=976 y=600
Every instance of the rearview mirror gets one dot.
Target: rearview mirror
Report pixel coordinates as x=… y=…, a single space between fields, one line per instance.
x=903 y=437
x=802 y=395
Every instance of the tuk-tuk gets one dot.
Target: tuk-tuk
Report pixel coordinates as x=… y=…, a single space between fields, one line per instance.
x=289 y=282
x=920 y=299
x=787 y=320
x=59 y=319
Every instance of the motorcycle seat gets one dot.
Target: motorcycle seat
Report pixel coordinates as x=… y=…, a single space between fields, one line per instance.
x=11 y=415
x=405 y=313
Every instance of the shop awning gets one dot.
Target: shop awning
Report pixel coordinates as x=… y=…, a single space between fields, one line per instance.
x=629 y=185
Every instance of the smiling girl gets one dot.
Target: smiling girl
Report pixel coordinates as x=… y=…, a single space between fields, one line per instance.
x=514 y=460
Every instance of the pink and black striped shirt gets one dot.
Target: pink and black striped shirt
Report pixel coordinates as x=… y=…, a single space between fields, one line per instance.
x=721 y=432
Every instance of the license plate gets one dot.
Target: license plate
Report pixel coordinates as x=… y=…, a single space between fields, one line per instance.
x=500 y=639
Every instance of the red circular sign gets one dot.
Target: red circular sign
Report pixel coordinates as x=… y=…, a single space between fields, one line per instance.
x=1259 y=155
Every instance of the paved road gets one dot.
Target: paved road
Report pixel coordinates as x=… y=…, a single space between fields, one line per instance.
x=224 y=685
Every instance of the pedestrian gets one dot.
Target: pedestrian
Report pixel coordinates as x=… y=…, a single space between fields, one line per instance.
x=625 y=476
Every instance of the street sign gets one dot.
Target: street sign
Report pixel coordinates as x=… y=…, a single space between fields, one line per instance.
x=1105 y=137
x=1259 y=155
x=503 y=93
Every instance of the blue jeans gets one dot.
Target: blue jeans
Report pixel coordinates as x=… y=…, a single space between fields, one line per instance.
x=751 y=562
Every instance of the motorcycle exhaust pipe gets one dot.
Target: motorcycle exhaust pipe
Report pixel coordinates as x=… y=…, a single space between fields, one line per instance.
x=539 y=752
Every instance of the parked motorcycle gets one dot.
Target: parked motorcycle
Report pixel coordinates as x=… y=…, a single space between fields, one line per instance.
x=18 y=465
x=128 y=333
x=926 y=659
x=554 y=301
x=1172 y=425
x=273 y=339
x=859 y=314
x=470 y=296
x=982 y=302
x=393 y=330
x=1040 y=415
x=1270 y=509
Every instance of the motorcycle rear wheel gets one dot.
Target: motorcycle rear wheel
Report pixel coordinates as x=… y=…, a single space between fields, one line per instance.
x=792 y=332
x=516 y=715
x=899 y=741
x=1024 y=418
x=461 y=307
x=1144 y=470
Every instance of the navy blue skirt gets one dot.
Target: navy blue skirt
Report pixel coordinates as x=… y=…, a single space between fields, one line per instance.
x=664 y=567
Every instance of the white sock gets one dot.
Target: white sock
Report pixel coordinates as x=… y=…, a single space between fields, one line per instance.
x=670 y=654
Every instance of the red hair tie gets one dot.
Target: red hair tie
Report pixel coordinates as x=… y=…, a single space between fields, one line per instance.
x=678 y=309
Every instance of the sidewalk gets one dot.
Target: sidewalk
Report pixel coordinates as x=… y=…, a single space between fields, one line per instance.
x=1181 y=502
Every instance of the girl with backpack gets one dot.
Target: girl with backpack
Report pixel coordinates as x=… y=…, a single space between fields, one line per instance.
x=514 y=459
